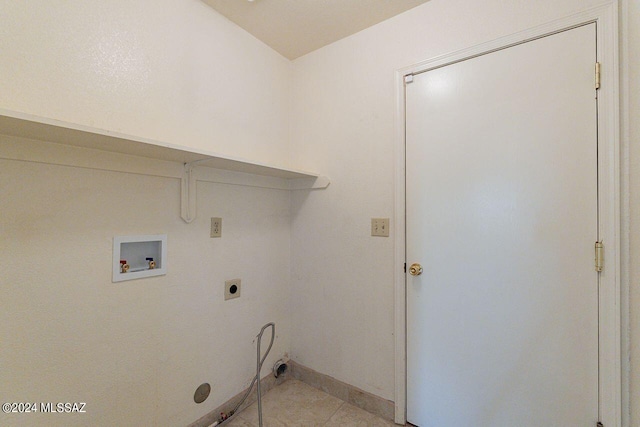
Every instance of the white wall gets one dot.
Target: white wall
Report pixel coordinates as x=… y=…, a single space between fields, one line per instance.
x=178 y=72
x=134 y=351
x=169 y=70
x=172 y=70
x=343 y=124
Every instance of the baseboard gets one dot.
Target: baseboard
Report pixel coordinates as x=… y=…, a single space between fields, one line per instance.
x=343 y=391
x=353 y=395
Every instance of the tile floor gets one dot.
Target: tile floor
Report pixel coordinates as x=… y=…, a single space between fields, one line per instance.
x=295 y=403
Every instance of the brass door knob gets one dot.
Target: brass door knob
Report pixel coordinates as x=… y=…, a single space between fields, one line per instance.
x=415 y=269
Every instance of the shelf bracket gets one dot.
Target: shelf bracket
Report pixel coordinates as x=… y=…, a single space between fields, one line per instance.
x=188 y=194
x=188 y=191
x=316 y=183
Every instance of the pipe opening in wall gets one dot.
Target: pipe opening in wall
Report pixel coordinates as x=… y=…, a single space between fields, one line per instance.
x=202 y=392
x=279 y=368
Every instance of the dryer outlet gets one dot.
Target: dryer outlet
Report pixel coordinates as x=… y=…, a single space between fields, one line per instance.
x=232 y=289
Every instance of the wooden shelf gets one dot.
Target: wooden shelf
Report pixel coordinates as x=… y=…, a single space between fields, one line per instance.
x=43 y=129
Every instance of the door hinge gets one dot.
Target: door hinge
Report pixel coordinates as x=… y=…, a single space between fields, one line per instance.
x=597 y=75
x=408 y=79
x=599 y=256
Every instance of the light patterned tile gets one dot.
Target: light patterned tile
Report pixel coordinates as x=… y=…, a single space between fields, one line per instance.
x=239 y=422
x=349 y=415
x=293 y=404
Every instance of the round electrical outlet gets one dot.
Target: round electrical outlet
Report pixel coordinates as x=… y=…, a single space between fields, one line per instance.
x=232 y=288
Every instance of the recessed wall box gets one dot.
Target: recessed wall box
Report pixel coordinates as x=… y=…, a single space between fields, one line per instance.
x=145 y=256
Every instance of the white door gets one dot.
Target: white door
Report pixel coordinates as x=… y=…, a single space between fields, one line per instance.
x=501 y=170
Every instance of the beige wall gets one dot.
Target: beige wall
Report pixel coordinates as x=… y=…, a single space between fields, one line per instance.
x=174 y=71
x=343 y=124
x=171 y=70
x=134 y=351
x=178 y=72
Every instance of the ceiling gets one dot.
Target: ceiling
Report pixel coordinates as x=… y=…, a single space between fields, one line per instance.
x=297 y=27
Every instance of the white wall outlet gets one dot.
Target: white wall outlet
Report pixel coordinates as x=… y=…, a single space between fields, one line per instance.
x=380 y=227
x=232 y=289
x=216 y=227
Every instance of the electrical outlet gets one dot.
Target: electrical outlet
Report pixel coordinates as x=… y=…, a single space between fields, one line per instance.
x=232 y=289
x=380 y=227
x=216 y=227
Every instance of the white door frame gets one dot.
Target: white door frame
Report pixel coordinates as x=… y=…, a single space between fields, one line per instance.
x=606 y=19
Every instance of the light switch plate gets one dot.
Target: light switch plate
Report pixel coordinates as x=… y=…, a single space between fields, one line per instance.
x=380 y=227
